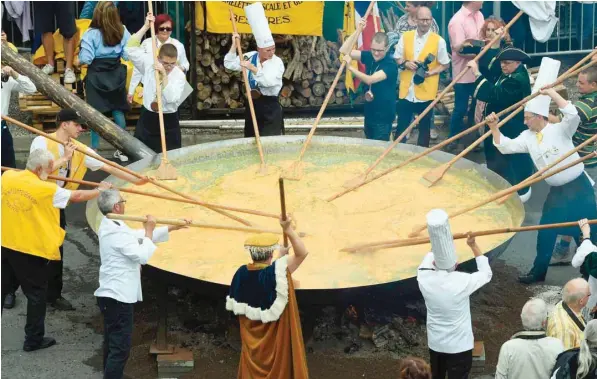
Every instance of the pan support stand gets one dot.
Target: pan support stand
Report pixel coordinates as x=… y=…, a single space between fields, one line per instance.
x=161 y=346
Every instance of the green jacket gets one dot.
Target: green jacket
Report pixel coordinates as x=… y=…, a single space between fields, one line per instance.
x=507 y=90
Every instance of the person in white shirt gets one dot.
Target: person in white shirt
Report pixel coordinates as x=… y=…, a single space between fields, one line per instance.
x=586 y=259
x=529 y=354
x=173 y=82
x=122 y=252
x=71 y=164
x=571 y=195
x=12 y=81
x=31 y=236
x=417 y=92
x=265 y=71
x=163 y=33
x=446 y=293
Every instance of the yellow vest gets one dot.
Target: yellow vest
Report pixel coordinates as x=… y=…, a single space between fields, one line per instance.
x=30 y=222
x=77 y=163
x=427 y=90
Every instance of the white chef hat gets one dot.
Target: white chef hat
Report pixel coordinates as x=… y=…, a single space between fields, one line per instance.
x=548 y=73
x=259 y=25
x=442 y=243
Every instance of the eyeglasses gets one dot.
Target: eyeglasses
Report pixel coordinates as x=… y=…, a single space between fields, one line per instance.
x=121 y=201
x=165 y=29
x=527 y=118
x=167 y=64
x=379 y=51
x=424 y=19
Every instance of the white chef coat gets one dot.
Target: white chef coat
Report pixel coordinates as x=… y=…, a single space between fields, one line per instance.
x=122 y=251
x=146 y=45
x=420 y=41
x=172 y=94
x=93 y=164
x=269 y=74
x=557 y=141
x=446 y=294
x=528 y=358
x=20 y=84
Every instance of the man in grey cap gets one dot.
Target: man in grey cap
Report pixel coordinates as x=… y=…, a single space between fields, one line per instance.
x=446 y=293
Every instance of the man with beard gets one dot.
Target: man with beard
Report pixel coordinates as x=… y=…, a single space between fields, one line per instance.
x=416 y=91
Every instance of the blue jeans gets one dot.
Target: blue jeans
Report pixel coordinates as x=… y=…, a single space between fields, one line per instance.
x=118 y=331
x=118 y=120
x=462 y=93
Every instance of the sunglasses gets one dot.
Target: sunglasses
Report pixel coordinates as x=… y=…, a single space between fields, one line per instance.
x=165 y=29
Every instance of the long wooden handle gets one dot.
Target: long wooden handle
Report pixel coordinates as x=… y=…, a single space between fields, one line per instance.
x=423 y=240
x=511 y=190
x=559 y=81
x=158 y=196
x=330 y=91
x=124 y=169
x=574 y=70
x=283 y=207
x=438 y=98
x=179 y=222
x=239 y=52
x=158 y=92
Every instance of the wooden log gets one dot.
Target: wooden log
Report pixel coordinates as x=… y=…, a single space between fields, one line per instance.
x=203 y=91
x=286 y=91
x=225 y=78
x=317 y=66
x=206 y=59
x=306 y=92
x=318 y=89
x=117 y=137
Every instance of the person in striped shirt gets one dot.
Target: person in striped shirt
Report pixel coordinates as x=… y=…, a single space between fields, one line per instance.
x=587 y=110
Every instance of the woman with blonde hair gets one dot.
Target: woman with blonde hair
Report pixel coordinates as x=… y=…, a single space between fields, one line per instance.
x=488 y=66
x=414 y=368
x=102 y=47
x=579 y=363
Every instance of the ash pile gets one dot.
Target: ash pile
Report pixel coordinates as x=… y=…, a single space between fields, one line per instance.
x=370 y=331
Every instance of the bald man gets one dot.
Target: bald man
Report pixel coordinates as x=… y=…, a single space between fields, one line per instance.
x=566 y=321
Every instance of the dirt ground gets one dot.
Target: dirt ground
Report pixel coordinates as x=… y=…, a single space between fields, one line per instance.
x=334 y=350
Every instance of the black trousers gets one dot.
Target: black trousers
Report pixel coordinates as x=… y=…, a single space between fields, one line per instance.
x=56 y=268
x=31 y=272
x=269 y=115
x=118 y=331
x=406 y=111
x=8 y=150
x=148 y=130
x=457 y=366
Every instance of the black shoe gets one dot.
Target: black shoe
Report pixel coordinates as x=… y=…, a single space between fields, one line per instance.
x=9 y=302
x=453 y=148
x=62 y=304
x=530 y=278
x=45 y=343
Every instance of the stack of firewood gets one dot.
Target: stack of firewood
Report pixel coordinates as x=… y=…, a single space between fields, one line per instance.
x=311 y=65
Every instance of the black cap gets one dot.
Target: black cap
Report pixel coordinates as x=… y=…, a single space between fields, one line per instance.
x=69 y=115
x=513 y=54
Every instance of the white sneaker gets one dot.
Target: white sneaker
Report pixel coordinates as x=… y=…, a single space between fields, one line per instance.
x=69 y=76
x=48 y=69
x=122 y=157
x=433 y=133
